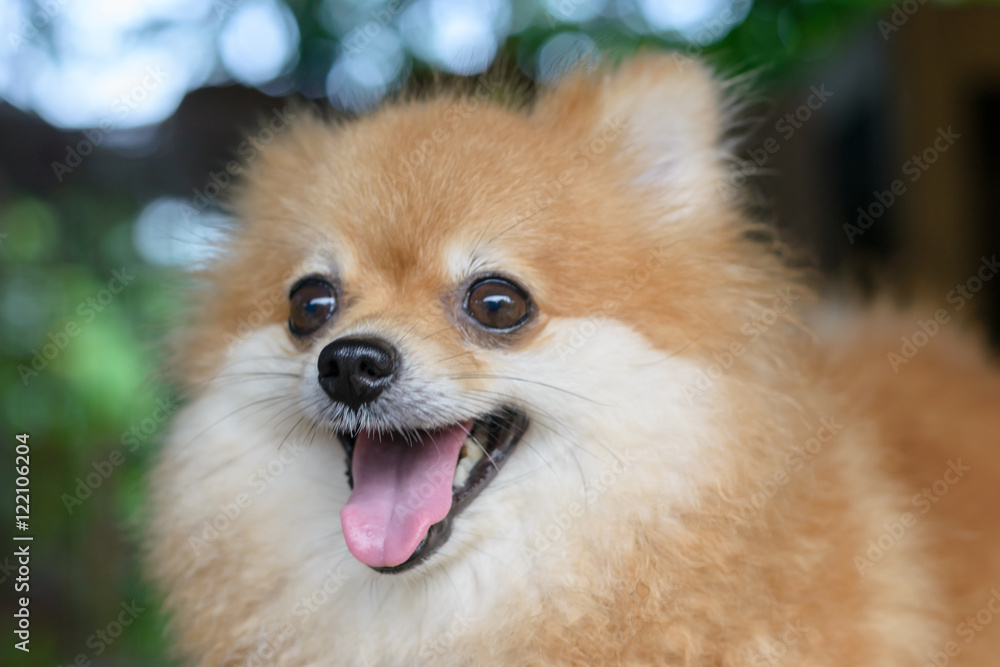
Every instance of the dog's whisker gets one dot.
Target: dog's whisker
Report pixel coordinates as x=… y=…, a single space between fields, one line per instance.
x=493 y=376
x=263 y=401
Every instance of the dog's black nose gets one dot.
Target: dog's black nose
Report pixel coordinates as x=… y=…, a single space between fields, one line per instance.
x=354 y=371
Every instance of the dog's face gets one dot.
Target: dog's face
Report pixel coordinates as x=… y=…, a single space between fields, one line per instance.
x=480 y=332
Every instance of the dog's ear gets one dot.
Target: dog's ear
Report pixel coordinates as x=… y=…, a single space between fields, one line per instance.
x=671 y=110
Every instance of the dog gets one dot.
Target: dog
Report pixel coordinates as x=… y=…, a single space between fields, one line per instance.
x=480 y=379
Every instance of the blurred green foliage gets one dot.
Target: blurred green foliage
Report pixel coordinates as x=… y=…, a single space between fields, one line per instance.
x=57 y=259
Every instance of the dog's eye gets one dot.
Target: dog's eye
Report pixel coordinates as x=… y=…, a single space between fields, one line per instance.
x=314 y=301
x=497 y=304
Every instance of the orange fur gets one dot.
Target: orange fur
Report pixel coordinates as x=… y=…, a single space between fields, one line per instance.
x=637 y=237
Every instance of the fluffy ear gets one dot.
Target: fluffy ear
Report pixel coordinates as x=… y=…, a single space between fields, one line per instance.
x=671 y=108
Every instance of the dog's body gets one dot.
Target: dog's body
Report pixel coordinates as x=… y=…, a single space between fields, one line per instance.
x=701 y=481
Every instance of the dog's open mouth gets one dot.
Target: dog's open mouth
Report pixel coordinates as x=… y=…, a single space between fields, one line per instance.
x=407 y=487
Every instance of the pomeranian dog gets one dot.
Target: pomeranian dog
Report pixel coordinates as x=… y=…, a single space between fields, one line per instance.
x=478 y=381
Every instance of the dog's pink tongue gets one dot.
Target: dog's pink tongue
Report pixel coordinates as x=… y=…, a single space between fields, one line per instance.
x=400 y=490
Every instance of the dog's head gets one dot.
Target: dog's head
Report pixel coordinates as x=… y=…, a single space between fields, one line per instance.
x=499 y=315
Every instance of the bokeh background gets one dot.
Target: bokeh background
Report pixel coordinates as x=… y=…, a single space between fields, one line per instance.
x=117 y=118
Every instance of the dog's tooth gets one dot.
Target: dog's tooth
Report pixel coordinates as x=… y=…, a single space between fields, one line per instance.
x=470 y=456
x=461 y=474
x=474 y=452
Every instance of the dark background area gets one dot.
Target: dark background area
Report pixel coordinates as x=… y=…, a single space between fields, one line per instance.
x=896 y=74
